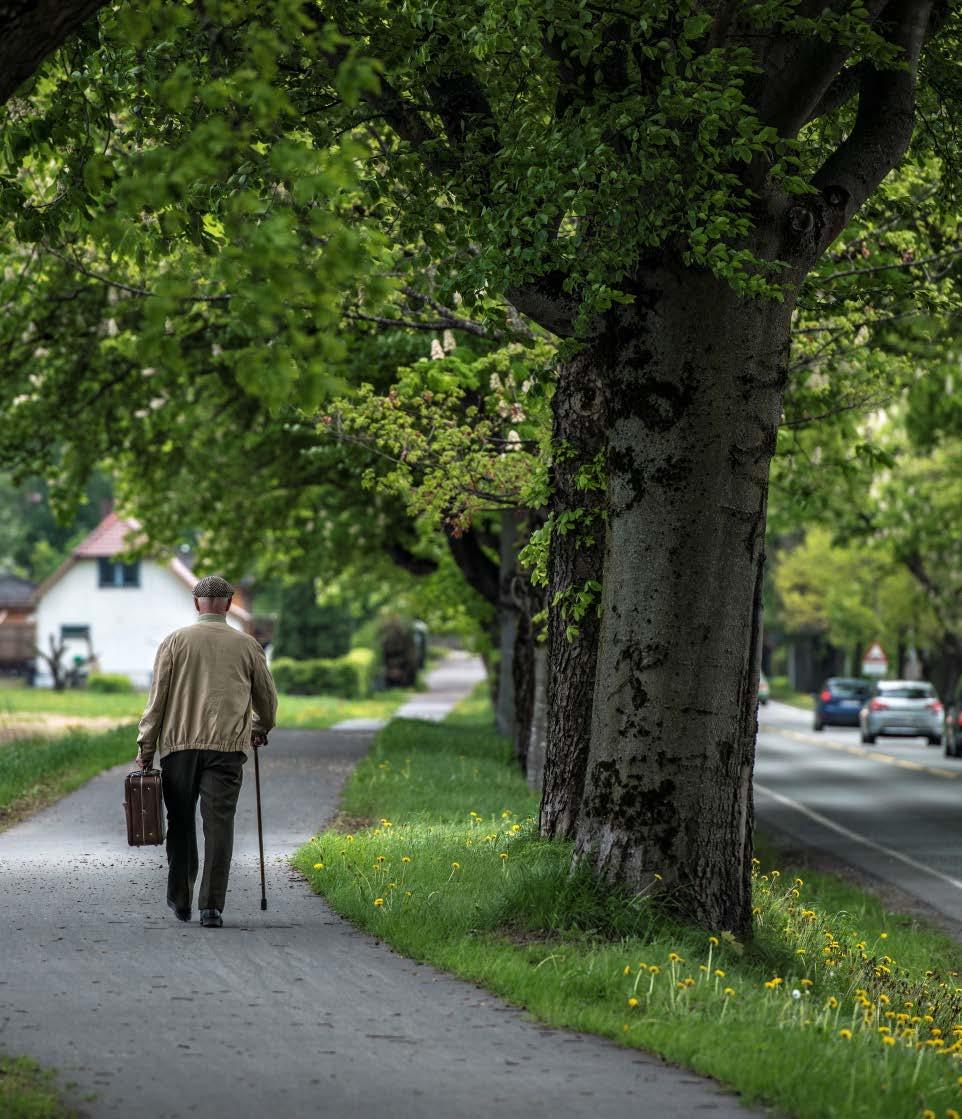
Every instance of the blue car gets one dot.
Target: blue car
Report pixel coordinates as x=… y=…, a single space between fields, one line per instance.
x=839 y=701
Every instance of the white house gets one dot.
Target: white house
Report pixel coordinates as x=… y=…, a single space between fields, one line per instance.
x=119 y=612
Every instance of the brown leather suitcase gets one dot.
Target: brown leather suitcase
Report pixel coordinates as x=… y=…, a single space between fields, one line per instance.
x=144 y=808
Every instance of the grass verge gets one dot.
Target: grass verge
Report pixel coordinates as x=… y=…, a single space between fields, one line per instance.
x=36 y=771
x=835 y=1007
x=298 y=711
x=28 y=1092
x=317 y=712
x=780 y=689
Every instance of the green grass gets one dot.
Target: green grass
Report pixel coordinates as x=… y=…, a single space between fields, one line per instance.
x=308 y=712
x=45 y=701
x=317 y=712
x=35 y=771
x=456 y=874
x=27 y=1091
x=781 y=690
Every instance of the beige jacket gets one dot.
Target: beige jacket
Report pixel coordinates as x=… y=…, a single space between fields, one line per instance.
x=211 y=690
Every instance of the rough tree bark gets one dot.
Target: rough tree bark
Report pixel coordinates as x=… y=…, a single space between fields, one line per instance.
x=579 y=424
x=693 y=416
x=30 y=31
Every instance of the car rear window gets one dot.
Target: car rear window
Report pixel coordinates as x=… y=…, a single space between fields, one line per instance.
x=847 y=689
x=908 y=691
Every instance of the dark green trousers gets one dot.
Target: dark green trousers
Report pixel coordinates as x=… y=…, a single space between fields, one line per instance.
x=215 y=777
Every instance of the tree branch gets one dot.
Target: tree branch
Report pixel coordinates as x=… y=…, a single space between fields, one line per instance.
x=798 y=72
x=29 y=31
x=883 y=124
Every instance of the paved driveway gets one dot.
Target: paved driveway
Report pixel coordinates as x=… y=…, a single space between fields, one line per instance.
x=287 y=1013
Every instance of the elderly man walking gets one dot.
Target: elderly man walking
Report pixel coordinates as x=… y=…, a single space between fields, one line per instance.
x=212 y=701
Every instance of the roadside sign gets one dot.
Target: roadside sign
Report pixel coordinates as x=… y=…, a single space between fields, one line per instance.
x=875 y=662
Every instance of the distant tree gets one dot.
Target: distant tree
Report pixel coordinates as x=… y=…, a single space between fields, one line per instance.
x=306 y=629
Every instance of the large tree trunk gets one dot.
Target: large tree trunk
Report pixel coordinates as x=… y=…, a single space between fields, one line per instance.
x=539 y=721
x=505 y=713
x=695 y=377
x=524 y=686
x=575 y=560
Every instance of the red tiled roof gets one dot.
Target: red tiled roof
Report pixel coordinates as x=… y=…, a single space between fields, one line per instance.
x=109 y=538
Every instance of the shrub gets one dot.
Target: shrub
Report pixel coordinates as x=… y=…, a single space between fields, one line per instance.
x=109 y=682
x=399 y=645
x=350 y=676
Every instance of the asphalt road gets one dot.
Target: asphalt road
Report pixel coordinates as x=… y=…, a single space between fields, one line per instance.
x=893 y=809
x=289 y=1013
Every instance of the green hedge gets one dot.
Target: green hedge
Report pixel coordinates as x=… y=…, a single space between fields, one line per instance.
x=350 y=676
x=109 y=682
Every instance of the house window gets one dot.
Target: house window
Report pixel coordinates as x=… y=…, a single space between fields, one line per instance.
x=75 y=633
x=114 y=574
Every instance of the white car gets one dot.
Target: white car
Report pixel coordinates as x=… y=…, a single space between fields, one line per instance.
x=904 y=707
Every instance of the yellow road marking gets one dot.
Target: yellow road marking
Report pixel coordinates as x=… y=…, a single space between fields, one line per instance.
x=859 y=751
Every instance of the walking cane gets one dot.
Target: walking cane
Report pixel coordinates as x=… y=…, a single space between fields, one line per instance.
x=260 y=827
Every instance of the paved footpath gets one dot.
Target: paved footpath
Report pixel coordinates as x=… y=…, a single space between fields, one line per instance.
x=289 y=1013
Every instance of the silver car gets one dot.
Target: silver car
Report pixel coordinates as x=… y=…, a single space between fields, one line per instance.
x=902 y=707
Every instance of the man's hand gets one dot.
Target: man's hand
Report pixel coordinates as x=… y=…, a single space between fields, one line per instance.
x=258 y=740
x=143 y=763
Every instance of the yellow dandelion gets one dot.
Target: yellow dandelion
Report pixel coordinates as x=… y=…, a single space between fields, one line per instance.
x=516 y=827
x=378 y=902
x=405 y=858
x=654 y=969
x=408 y=894
x=703 y=968
x=719 y=973
x=658 y=878
x=503 y=855
x=806 y=982
x=318 y=866
x=675 y=958
x=888 y=1040
x=627 y=970
x=928 y=1113
x=455 y=866
x=349 y=838
x=951 y=1113
x=632 y=1002
x=729 y=992
x=832 y=1002
x=713 y=940
x=845 y=1034
x=883 y=936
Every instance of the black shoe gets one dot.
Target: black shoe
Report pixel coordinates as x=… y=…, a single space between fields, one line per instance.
x=180 y=914
x=211 y=918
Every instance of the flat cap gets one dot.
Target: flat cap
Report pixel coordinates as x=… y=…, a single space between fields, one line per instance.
x=213 y=586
